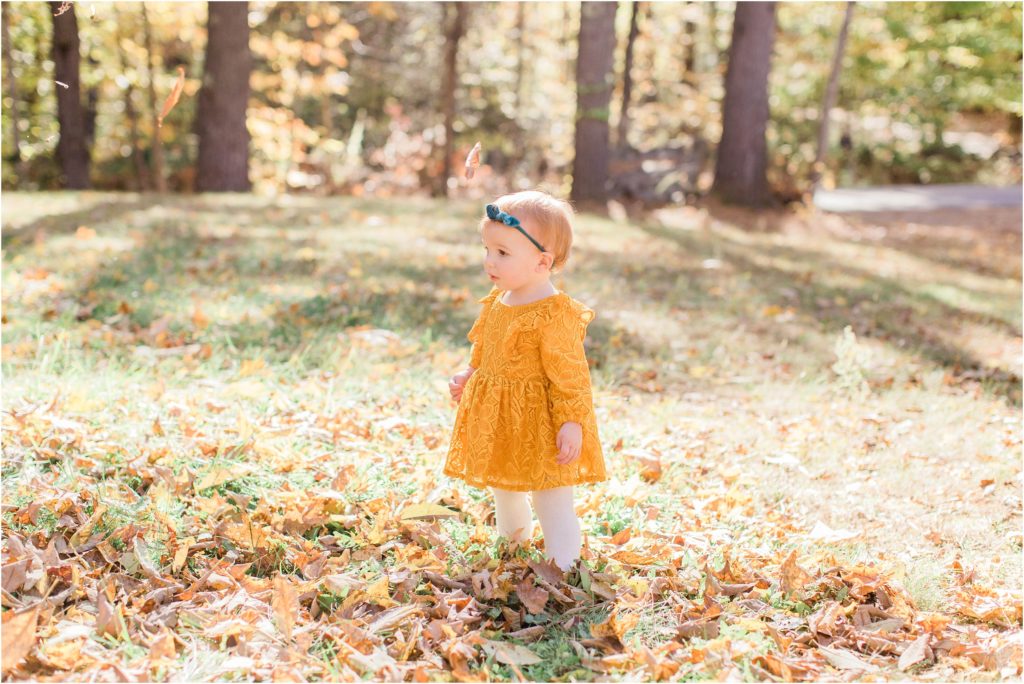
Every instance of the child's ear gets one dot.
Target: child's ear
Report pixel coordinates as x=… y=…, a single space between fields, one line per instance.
x=546 y=260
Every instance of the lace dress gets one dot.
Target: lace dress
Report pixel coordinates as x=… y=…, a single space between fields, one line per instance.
x=531 y=377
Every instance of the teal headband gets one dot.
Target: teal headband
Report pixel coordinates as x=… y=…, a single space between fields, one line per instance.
x=511 y=221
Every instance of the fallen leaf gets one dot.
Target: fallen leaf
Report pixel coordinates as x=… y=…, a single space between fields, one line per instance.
x=219 y=475
x=915 y=652
x=534 y=598
x=827 y=534
x=511 y=654
x=19 y=635
x=285 y=604
x=845 y=660
x=794 y=578
x=427 y=510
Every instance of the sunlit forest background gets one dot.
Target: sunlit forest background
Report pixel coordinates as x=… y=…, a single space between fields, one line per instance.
x=348 y=97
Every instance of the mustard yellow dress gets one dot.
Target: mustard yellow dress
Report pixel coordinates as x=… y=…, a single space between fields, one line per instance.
x=531 y=377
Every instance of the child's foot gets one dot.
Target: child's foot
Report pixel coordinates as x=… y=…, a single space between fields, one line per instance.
x=507 y=549
x=574 y=575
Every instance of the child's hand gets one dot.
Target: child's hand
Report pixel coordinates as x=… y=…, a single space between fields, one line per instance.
x=569 y=443
x=457 y=382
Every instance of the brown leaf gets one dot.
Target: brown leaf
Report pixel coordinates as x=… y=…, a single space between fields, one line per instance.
x=181 y=554
x=511 y=654
x=427 y=510
x=534 y=598
x=19 y=635
x=14 y=575
x=705 y=629
x=794 y=578
x=172 y=98
x=615 y=625
x=915 y=652
x=220 y=474
x=163 y=646
x=737 y=589
x=622 y=537
x=285 y=604
x=845 y=660
x=109 y=618
x=827 y=619
x=548 y=570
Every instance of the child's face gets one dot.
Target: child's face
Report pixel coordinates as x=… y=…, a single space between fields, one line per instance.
x=510 y=259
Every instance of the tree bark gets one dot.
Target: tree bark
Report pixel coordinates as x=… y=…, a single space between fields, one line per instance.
x=520 y=54
x=622 y=135
x=12 y=91
x=223 y=164
x=157 y=159
x=455 y=26
x=830 y=100
x=690 y=43
x=71 y=149
x=141 y=180
x=742 y=153
x=91 y=109
x=594 y=81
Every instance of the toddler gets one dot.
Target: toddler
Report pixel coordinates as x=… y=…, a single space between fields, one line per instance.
x=525 y=420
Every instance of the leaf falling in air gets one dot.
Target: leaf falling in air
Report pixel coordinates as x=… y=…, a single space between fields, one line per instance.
x=63 y=85
x=64 y=7
x=172 y=99
x=473 y=160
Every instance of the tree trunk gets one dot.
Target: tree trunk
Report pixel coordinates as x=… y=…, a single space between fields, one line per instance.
x=12 y=91
x=830 y=100
x=520 y=54
x=223 y=164
x=455 y=25
x=71 y=149
x=141 y=180
x=92 y=101
x=594 y=81
x=689 y=43
x=159 y=182
x=742 y=153
x=622 y=135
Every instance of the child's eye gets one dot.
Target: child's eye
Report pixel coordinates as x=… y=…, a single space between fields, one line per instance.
x=501 y=252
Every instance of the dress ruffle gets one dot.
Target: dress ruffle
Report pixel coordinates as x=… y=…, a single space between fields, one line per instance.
x=539 y=314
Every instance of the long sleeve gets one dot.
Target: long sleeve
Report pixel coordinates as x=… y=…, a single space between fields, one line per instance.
x=476 y=333
x=475 y=336
x=565 y=365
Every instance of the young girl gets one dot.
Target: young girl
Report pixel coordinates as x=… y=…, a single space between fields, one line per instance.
x=525 y=421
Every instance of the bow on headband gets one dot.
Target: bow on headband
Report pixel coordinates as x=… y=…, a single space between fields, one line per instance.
x=511 y=221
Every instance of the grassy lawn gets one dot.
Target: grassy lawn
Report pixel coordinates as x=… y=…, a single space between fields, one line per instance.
x=218 y=410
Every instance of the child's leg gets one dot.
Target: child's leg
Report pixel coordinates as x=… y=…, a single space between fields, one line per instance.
x=557 y=515
x=512 y=514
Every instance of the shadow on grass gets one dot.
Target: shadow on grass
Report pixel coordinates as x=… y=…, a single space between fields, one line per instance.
x=15 y=239
x=406 y=297
x=248 y=266
x=882 y=308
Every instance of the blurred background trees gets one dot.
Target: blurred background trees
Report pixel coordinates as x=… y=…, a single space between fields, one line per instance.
x=386 y=98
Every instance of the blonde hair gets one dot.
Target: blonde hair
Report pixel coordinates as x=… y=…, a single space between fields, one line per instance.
x=547 y=219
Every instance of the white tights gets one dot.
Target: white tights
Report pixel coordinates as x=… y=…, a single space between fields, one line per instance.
x=562 y=538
